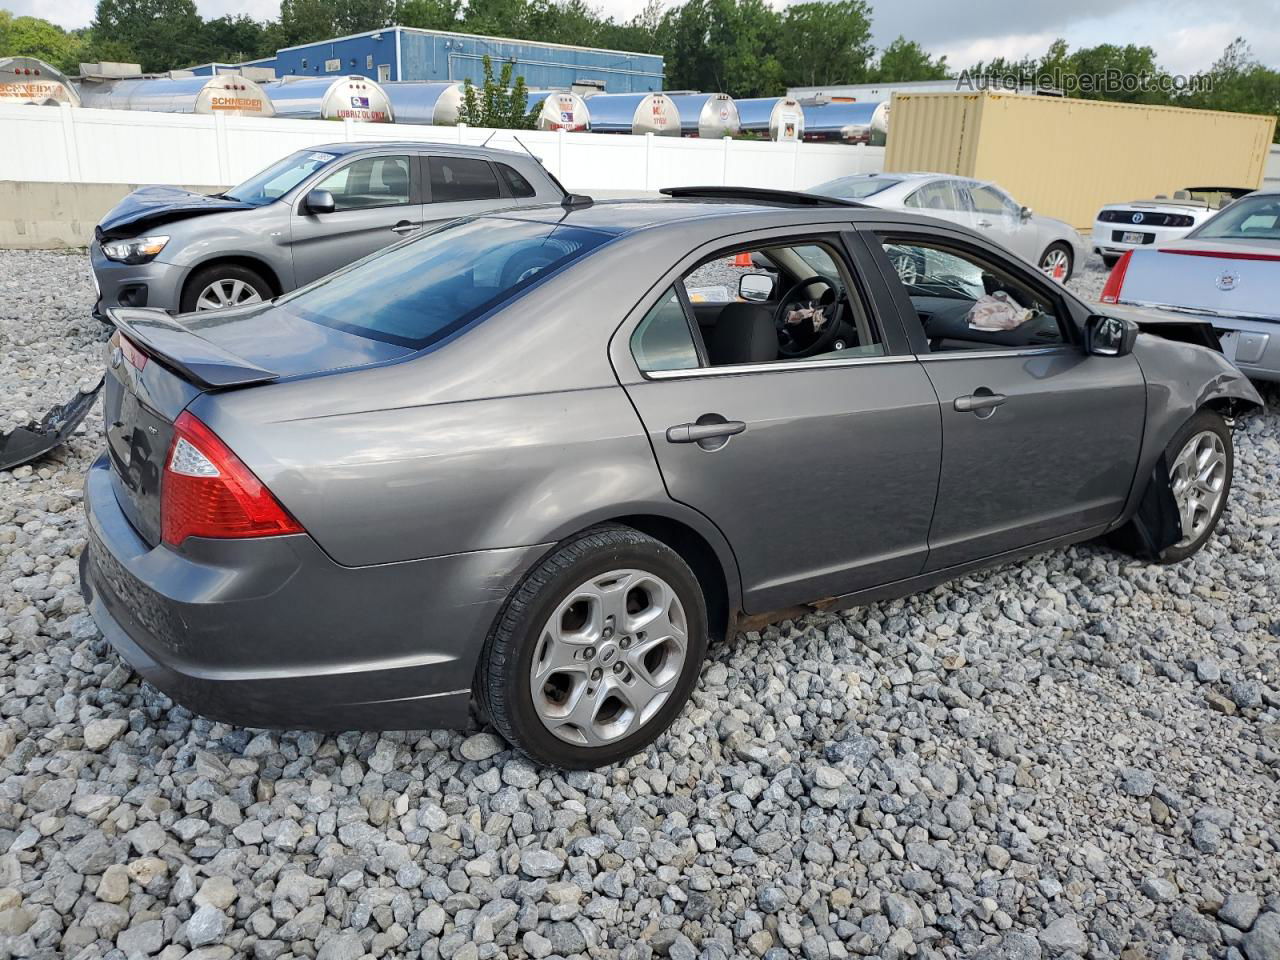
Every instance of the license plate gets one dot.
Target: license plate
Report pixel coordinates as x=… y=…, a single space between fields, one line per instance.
x=1134 y=238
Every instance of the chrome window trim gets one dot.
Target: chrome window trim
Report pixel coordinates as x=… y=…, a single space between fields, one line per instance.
x=777 y=365
x=993 y=354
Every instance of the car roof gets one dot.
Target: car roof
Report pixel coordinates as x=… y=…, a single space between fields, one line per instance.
x=622 y=216
x=444 y=149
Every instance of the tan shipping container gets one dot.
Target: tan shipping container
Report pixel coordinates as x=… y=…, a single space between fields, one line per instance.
x=1068 y=158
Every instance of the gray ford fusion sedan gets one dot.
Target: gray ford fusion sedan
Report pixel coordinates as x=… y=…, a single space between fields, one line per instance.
x=513 y=462
x=302 y=217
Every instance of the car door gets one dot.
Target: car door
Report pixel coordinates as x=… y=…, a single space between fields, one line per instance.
x=1040 y=438
x=821 y=473
x=461 y=187
x=996 y=215
x=376 y=202
x=944 y=199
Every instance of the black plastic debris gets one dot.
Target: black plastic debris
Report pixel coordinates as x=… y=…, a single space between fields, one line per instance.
x=24 y=444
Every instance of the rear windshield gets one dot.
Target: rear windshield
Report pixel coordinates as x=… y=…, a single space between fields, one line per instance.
x=1255 y=218
x=281 y=177
x=855 y=188
x=418 y=293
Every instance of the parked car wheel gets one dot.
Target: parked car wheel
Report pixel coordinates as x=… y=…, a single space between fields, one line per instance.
x=596 y=651
x=222 y=285
x=1057 y=257
x=1201 y=463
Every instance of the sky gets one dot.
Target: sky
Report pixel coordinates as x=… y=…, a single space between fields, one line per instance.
x=1187 y=35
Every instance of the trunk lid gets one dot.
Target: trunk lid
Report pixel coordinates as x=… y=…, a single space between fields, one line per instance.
x=151 y=206
x=156 y=365
x=1212 y=277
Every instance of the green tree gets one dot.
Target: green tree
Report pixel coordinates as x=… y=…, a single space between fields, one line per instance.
x=305 y=21
x=499 y=102
x=232 y=39
x=33 y=37
x=825 y=43
x=163 y=34
x=1237 y=82
x=904 y=60
x=429 y=14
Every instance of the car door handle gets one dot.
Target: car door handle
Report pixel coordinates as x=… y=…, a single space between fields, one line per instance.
x=403 y=227
x=984 y=223
x=698 y=432
x=976 y=402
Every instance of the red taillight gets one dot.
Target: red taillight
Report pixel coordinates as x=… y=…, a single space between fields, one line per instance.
x=207 y=491
x=1115 y=282
x=128 y=350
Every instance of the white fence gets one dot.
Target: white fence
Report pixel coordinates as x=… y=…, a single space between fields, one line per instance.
x=63 y=144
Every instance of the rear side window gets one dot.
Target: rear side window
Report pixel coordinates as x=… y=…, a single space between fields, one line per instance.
x=664 y=339
x=418 y=293
x=518 y=185
x=462 y=178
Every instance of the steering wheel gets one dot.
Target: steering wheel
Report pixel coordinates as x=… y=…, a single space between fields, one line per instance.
x=797 y=344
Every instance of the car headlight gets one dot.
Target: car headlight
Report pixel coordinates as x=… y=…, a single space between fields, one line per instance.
x=137 y=250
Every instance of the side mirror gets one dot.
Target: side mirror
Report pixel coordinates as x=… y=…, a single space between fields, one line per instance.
x=1109 y=336
x=1026 y=213
x=320 y=201
x=755 y=287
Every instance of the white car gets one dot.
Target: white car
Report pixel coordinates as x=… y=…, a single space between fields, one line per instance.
x=1052 y=245
x=1121 y=227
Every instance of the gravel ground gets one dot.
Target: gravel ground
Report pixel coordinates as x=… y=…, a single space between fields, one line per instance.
x=1076 y=755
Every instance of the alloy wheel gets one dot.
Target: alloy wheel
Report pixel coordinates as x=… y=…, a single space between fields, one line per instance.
x=225 y=293
x=1054 y=261
x=609 y=657
x=1199 y=477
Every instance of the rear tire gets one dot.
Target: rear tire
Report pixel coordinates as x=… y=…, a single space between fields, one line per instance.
x=1055 y=255
x=223 y=285
x=597 y=650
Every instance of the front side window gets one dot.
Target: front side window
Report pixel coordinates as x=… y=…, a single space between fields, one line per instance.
x=966 y=302
x=418 y=293
x=281 y=177
x=370 y=182
x=989 y=200
x=664 y=339
x=462 y=178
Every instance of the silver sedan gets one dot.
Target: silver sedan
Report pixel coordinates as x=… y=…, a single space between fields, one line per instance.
x=1052 y=245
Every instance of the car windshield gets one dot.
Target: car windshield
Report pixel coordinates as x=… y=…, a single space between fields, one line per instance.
x=281 y=177
x=416 y=294
x=1255 y=218
x=855 y=188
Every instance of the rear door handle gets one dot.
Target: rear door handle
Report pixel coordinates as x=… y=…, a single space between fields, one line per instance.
x=979 y=401
x=403 y=227
x=698 y=432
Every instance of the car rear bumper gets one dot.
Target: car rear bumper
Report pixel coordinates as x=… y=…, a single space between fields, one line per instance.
x=271 y=632
x=153 y=284
x=1103 y=238
x=1252 y=345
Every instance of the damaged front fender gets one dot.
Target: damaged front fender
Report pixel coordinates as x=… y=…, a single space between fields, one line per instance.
x=24 y=444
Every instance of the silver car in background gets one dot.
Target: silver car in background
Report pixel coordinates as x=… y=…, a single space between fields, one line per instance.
x=299 y=219
x=1052 y=245
x=1227 y=271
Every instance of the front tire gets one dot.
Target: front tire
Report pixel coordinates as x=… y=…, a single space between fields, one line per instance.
x=223 y=285
x=1057 y=258
x=597 y=650
x=1201 y=464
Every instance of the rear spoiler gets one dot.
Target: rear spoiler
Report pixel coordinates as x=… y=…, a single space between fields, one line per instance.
x=176 y=346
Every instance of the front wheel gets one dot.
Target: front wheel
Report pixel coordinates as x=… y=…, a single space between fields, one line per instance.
x=1056 y=261
x=1201 y=463
x=223 y=285
x=596 y=651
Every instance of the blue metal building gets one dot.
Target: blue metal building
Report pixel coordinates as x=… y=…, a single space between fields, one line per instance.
x=407 y=53
x=209 y=69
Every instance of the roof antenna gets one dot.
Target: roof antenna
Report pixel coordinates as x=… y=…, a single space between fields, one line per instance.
x=570 y=201
x=488 y=138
